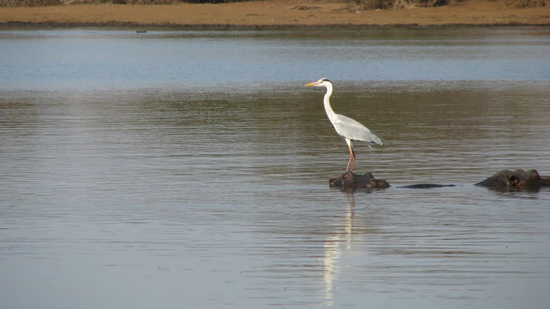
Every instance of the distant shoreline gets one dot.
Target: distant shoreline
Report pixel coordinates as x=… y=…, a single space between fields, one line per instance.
x=269 y=14
x=152 y=27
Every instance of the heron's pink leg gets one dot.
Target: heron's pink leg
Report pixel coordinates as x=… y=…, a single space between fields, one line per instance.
x=350 y=162
x=351 y=157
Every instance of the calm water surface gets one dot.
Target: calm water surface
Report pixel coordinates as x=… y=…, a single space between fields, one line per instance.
x=190 y=169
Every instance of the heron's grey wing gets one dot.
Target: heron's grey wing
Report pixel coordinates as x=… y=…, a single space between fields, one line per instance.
x=354 y=130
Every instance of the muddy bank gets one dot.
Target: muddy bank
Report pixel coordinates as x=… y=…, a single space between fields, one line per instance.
x=268 y=14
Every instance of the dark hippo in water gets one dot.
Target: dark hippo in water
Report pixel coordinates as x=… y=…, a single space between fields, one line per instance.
x=349 y=180
x=503 y=180
x=516 y=180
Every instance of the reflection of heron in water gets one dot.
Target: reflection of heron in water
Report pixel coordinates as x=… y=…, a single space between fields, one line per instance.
x=335 y=246
x=348 y=128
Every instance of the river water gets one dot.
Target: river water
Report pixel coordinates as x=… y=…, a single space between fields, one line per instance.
x=189 y=169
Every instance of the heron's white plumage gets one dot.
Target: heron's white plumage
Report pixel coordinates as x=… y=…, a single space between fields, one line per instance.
x=348 y=128
x=345 y=126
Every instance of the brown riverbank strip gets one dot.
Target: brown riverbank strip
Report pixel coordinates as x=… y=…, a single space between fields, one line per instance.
x=283 y=13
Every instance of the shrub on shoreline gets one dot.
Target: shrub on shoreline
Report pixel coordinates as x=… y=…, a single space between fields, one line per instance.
x=527 y=3
x=30 y=3
x=392 y=4
x=13 y=3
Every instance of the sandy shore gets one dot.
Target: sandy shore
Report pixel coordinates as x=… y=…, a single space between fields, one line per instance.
x=285 y=13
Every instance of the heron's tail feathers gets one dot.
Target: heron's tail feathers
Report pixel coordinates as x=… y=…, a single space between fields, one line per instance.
x=375 y=140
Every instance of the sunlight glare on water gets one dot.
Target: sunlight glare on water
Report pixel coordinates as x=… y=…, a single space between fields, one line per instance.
x=190 y=169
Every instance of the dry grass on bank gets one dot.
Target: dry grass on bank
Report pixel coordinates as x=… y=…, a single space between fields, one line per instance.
x=361 y=4
x=272 y=13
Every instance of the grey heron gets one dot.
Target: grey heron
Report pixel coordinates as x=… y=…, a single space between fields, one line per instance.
x=348 y=128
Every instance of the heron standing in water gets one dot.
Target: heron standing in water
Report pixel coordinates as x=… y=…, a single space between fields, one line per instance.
x=348 y=128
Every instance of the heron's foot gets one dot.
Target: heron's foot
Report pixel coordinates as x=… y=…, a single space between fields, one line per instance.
x=349 y=180
x=346 y=178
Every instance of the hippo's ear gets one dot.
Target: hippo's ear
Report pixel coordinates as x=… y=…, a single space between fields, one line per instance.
x=533 y=175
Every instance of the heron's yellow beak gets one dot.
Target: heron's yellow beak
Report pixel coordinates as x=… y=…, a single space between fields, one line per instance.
x=311 y=84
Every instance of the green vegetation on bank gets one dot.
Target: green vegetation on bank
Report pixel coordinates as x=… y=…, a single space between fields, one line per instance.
x=363 y=4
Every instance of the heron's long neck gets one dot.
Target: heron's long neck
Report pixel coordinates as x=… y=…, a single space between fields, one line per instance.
x=326 y=100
